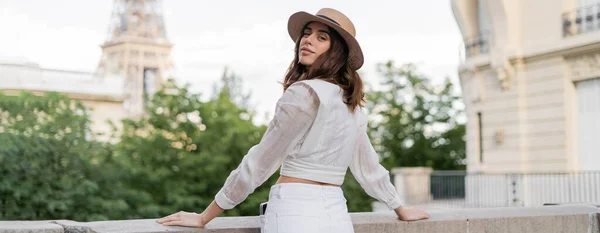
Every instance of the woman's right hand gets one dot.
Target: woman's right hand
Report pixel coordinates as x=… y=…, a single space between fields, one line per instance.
x=410 y=214
x=182 y=218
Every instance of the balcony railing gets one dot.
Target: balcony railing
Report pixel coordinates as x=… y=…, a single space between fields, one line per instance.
x=509 y=190
x=582 y=20
x=459 y=189
x=546 y=219
x=478 y=45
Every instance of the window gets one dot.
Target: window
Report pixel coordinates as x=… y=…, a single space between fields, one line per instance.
x=149 y=79
x=588 y=96
x=483 y=17
x=483 y=25
x=480 y=136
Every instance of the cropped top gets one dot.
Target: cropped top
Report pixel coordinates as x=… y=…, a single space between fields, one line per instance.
x=315 y=136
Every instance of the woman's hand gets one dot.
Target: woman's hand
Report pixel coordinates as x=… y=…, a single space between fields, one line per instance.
x=183 y=218
x=410 y=214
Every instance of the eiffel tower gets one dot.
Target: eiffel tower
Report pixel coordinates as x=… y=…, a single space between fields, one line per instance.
x=137 y=50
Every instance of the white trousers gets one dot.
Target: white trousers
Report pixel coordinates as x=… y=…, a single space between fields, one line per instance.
x=295 y=207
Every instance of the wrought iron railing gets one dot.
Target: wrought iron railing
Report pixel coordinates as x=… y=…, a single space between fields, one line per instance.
x=582 y=20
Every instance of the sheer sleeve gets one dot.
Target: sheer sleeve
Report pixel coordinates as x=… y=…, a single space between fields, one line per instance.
x=294 y=114
x=370 y=174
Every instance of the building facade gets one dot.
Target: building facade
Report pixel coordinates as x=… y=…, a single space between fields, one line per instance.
x=530 y=77
x=135 y=61
x=104 y=96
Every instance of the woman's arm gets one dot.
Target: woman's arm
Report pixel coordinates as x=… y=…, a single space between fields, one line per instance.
x=410 y=214
x=375 y=179
x=294 y=115
x=212 y=211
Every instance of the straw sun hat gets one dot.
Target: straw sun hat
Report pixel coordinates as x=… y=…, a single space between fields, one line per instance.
x=335 y=20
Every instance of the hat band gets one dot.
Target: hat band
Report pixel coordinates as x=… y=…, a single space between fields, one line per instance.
x=330 y=19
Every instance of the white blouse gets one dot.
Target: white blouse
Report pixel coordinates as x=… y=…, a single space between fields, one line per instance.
x=315 y=136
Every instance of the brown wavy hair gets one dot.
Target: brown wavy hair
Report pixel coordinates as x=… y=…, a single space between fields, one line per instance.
x=332 y=66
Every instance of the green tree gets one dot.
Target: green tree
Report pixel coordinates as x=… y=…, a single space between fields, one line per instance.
x=231 y=84
x=414 y=122
x=46 y=161
x=182 y=150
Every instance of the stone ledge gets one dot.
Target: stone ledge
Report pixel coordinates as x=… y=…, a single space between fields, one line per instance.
x=546 y=219
x=513 y=212
x=30 y=226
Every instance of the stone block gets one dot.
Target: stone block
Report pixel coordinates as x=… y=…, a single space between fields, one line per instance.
x=29 y=227
x=218 y=225
x=546 y=219
x=388 y=222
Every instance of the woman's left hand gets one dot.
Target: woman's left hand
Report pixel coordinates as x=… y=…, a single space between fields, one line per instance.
x=183 y=218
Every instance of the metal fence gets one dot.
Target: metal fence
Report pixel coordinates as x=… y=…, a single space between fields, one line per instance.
x=457 y=189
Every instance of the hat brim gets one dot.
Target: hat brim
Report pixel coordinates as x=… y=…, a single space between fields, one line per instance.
x=299 y=19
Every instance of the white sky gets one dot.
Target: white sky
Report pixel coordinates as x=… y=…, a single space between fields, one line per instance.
x=250 y=37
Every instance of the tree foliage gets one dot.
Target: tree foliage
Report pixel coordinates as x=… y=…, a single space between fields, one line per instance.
x=180 y=153
x=414 y=122
x=47 y=164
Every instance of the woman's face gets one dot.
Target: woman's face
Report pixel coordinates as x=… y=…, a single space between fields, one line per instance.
x=315 y=41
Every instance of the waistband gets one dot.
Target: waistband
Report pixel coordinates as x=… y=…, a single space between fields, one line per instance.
x=311 y=171
x=305 y=190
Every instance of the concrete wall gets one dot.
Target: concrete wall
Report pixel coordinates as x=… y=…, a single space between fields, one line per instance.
x=544 y=27
x=412 y=184
x=545 y=120
x=547 y=219
x=524 y=87
x=537 y=115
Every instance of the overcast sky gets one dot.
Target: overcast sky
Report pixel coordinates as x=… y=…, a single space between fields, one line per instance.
x=250 y=37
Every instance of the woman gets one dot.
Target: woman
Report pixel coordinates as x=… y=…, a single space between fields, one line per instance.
x=317 y=133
